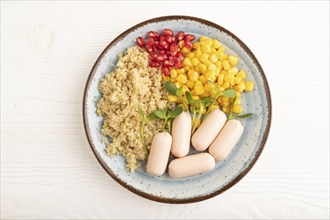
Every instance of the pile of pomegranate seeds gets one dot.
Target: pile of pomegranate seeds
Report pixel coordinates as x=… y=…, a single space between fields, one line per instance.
x=164 y=50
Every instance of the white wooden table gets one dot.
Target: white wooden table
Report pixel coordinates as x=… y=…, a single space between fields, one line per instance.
x=48 y=170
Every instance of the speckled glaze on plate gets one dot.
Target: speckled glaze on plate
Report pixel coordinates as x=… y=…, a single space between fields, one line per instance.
x=227 y=172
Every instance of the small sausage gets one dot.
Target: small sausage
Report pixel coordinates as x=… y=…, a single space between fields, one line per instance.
x=226 y=139
x=191 y=165
x=159 y=153
x=181 y=132
x=208 y=130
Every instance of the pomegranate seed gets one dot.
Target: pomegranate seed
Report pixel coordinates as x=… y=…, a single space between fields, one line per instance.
x=168 y=32
x=169 y=63
x=170 y=58
x=178 y=63
x=168 y=53
x=151 y=42
x=156 y=42
x=140 y=42
x=189 y=37
x=180 y=35
x=188 y=45
x=169 y=39
x=153 y=34
x=173 y=49
x=152 y=56
x=163 y=44
x=149 y=48
x=154 y=64
x=161 y=58
x=161 y=51
x=166 y=71
x=180 y=55
x=161 y=38
x=174 y=40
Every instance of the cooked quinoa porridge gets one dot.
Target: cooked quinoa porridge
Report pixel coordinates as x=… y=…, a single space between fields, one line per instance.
x=132 y=84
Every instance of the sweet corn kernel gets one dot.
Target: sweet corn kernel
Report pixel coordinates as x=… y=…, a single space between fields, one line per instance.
x=181 y=43
x=213 y=58
x=198 y=83
x=195 y=61
x=218 y=64
x=233 y=70
x=202 y=68
x=173 y=73
x=213 y=107
x=226 y=109
x=249 y=86
x=211 y=66
x=203 y=38
x=221 y=55
x=208 y=87
x=190 y=84
x=180 y=71
x=224 y=99
x=220 y=78
x=173 y=80
x=225 y=104
x=225 y=65
x=238 y=95
x=206 y=48
x=187 y=62
x=222 y=48
x=190 y=55
x=165 y=78
x=197 y=45
x=238 y=79
x=207 y=63
x=237 y=109
x=223 y=72
x=184 y=50
x=197 y=69
x=186 y=68
x=225 y=85
x=172 y=98
x=233 y=60
x=194 y=76
x=216 y=44
x=205 y=94
x=177 y=84
x=209 y=42
x=210 y=75
x=229 y=77
x=195 y=97
x=182 y=79
x=241 y=74
x=213 y=93
x=198 y=52
x=199 y=90
x=213 y=50
x=237 y=101
x=203 y=79
x=240 y=87
x=185 y=89
x=203 y=57
x=191 y=71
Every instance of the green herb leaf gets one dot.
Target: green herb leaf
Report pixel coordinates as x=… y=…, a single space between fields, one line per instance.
x=170 y=88
x=152 y=116
x=190 y=99
x=141 y=113
x=229 y=93
x=244 y=116
x=160 y=114
x=175 y=112
x=206 y=101
x=179 y=92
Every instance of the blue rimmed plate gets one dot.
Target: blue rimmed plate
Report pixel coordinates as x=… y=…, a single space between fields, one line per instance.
x=227 y=172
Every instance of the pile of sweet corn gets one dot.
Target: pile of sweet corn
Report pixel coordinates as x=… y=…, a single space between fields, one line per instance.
x=208 y=61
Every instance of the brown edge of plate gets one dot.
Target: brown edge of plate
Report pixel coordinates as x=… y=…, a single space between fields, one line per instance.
x=174 y=200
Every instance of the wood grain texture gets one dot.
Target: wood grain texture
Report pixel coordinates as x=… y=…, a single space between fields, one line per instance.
x=48 y=170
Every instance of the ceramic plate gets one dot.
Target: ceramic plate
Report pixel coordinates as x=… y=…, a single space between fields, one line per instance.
x=227 y=172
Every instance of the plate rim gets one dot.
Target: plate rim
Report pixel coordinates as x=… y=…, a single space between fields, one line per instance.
x=158 y=198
